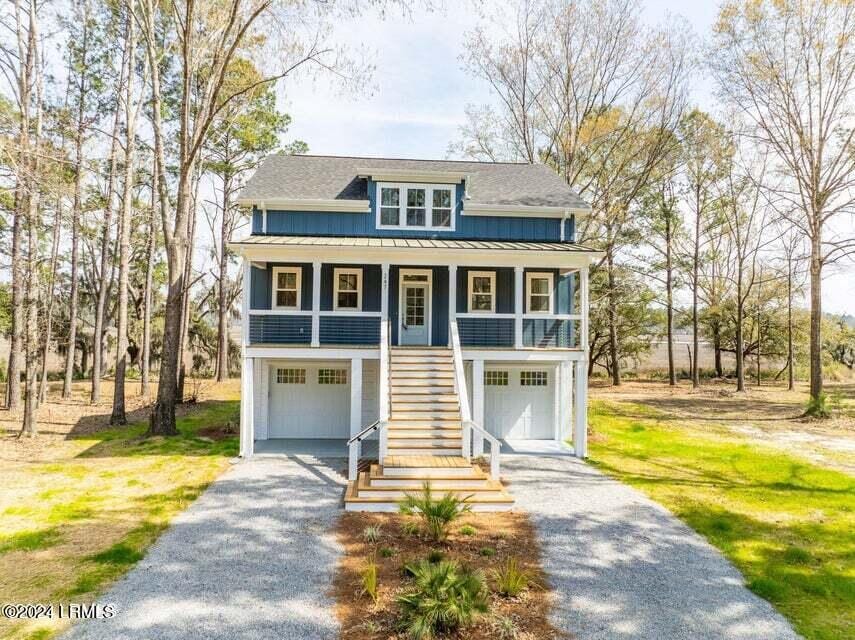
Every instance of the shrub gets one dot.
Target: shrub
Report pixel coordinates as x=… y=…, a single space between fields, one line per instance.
x=371 y=534
x=505 y=628
x=435 y=556
x=487 y=552
x=510 y=579
x=436 y=515
x=467 y=530
x=386 y=552
x=443 y=598
x=818 y=407
x=410 y=528
x=369 y=580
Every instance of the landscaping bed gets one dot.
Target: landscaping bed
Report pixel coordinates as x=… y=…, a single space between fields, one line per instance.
x=482 y=543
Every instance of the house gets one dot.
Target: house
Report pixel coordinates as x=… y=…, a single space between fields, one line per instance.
x=439 y=307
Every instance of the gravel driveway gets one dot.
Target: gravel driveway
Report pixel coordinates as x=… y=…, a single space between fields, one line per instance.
x=251 y=558
x=624 y=568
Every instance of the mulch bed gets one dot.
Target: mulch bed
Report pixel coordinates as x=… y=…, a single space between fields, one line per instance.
x=508 y=534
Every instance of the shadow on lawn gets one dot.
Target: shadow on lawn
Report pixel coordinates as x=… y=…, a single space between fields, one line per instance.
x=205 y=428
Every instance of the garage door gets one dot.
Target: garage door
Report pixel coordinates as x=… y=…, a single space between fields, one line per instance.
x=309 y=401
x=519 y=402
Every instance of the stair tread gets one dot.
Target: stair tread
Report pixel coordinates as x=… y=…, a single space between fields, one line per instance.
x=365 y=480
x=376 y=472
x=501 y=497
x=457 y=462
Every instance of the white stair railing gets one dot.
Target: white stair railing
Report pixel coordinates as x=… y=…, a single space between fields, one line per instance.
x=384 y=389
x=495 y=447
x=462 y=391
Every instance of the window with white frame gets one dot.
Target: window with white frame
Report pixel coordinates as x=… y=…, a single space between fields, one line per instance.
x=539 y=292
x=533 y=378
x=286 y=287
x=496 y=378
x=482 y=291
x=332 y=376
x=347 y=289
x=291 y=376
x=428 y=206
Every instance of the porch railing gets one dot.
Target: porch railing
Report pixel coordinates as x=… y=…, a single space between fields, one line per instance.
x=355 y=449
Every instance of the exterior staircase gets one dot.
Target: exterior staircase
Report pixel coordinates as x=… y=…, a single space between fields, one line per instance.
x=425 y=440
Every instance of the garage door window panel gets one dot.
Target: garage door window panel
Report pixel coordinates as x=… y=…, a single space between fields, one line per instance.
x=496 y=378
x=291 y=376
x=286 y=287
x=533 y=378
x=332 y=376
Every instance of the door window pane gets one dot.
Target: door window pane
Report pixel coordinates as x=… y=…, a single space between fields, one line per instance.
x=415 y=306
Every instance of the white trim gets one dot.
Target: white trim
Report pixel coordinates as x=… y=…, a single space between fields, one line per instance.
x=247 y=292
x=580 y=410
x=316 y=303
x=477 y=405
x=529 y=276
x=247 y=429
x=583 y=294
x=452 y=291
x=355 y=396
x=299 y=312
x=470 y=276
x=428 y=300
x=298 y=276
x=365 y=253
x=405 y=175
x=264 y=220
x=357 y=271
x=520 y=211
x=524 y=355
x=289 y=354
x=402 y=205
x=518 y=306
x=298 y=204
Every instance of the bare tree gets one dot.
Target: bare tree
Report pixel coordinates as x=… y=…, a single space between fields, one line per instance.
x=788 y=66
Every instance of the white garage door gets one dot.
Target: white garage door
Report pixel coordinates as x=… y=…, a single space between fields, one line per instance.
x=309 y=401
x=519 y=402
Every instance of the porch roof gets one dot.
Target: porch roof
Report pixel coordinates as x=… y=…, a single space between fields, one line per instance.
x=411 y=243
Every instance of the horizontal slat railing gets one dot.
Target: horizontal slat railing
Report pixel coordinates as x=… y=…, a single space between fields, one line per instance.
x=349 y=329
x=280 y=329
x=544 y=333
x=486 y=332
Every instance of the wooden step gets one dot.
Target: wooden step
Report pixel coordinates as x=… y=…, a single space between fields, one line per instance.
x=453 y=443
x=477 y=502
x=419 y=349
x=427 y=405
x=366 y=487
x=416 y=415
x=444 y=398
x=395 y=367
x=420 y=421
x=437 y=480
x=419 y=434
x=421 y=389
x=420 y=373
x=423 y=450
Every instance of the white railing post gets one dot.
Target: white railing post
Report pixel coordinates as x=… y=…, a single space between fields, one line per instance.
x=580 y=410
x=353 y=461
x=583 y=294
x=477 y=405
x=518 y=307
x=316 y=304
x=384 y=361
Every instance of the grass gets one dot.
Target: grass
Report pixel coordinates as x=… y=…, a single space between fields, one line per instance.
x=787 y=524
x=83 y=511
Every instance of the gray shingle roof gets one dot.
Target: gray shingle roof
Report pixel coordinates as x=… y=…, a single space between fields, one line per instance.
x=413 y=243
x=335 y=178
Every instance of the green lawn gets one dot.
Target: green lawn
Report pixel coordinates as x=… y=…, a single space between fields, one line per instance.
x=787 y=524
x=75 y=520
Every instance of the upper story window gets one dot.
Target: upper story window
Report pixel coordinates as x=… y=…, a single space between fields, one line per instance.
x=286 y=287
x=347 y=289
x=404 y=206
x=482 y=291
x=539 y=292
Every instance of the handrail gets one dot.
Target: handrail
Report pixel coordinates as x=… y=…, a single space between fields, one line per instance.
x=385 y=340
x=355 y=446
x=359 y=437
x=495 y=447
x=462 y=391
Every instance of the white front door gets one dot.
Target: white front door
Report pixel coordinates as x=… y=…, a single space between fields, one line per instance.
x=518 y=402
x=415 y=293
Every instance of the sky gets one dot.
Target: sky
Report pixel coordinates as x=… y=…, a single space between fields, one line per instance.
x=419 y=90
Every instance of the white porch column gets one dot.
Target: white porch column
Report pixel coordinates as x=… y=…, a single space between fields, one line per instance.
x=583 y=295
x=247 y=429
x=478 y=405
x=566 y=429
x=580 y=410
x=452 y=293
x=557 y=401
x=316 y=304
x=355 y=396
x=384 y=342
x=247 y=292
x=518 y=307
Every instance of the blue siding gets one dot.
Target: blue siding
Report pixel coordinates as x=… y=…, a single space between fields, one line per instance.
x=371 y=285
x=364 y=224
x=349 y=330
x=280 y=329
x=261 y=285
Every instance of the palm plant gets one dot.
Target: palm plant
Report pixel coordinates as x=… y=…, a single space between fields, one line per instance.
x=444 y=597
x=437 y=515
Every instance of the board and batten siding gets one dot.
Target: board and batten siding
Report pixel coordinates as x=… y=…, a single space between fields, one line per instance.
x=438 y=301
x=562 y=293
x=321 y=223
x=261 y=285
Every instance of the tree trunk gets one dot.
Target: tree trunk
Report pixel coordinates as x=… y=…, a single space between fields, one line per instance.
x=613 y=340
x=816 y=315
x=145 y=354
x=740 y=342
x=105 y=283
x=222 y=288
x=54 y=259
x=669 y=309
x=75 y=258
x=719 y=368
x=13 y=379
x=696 y=260
x=118 y=416
x=791 y=381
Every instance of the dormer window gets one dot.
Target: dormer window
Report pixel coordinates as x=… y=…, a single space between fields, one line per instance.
x=415 y=207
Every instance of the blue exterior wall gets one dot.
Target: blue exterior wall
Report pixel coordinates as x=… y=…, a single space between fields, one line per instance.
x=261 y=285
x=504 y=288
x=320 y=223
x=371 y=285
